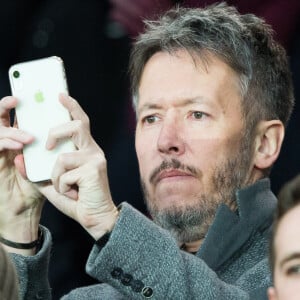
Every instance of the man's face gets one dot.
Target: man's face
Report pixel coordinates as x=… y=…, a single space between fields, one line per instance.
x=189 y=140
x=287 y=257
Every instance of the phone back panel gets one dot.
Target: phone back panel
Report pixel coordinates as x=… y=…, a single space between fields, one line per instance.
x=37 y=85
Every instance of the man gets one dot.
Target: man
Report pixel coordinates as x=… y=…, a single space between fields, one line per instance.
x=213 y=93
x=285 y=246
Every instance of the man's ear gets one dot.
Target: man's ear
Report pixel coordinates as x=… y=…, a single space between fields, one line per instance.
x=268 y=143
x=272 y=294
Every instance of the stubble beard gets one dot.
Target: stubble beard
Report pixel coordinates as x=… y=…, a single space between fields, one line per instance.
x=191 y=222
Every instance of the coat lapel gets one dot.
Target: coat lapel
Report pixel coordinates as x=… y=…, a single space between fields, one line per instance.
x=231 y=230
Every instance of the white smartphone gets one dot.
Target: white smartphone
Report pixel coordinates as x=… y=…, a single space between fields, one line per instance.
x=37 y=85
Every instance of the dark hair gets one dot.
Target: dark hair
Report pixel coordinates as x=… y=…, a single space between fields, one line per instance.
x=244 y=42
x=288 y=198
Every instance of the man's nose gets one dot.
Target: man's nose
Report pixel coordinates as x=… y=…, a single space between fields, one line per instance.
x=171 y=140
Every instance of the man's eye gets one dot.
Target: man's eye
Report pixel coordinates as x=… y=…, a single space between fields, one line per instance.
x=293 y=270
x=198 y=114
x=150 y=119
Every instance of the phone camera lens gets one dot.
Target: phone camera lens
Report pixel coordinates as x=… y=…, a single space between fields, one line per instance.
x=16 y=74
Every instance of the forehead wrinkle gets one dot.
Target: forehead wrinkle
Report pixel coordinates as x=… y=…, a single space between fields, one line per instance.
x=179 y=103
x=148 y=106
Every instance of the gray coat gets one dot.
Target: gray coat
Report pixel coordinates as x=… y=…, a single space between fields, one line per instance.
x=141 y=260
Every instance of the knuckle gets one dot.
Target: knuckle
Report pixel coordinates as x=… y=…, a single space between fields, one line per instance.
x=63 y=159
x=78 y=125
x=83 y=122
x=99 y=162
x=86 y=121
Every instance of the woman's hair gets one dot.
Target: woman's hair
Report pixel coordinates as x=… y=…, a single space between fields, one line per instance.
x=288 y=198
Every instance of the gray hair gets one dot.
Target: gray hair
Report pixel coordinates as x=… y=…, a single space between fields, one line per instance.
x=244 y=42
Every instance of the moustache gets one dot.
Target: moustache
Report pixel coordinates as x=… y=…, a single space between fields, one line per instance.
x=172 y=164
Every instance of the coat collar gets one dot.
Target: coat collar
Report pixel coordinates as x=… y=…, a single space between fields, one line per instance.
x=230 y=230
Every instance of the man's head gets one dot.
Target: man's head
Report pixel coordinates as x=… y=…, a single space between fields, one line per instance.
x=212 y=91
x=285 y=244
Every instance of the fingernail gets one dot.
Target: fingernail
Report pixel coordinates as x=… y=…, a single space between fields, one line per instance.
x=49 y=145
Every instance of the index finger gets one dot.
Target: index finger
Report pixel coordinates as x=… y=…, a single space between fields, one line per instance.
x=75 y=110
x=6 y=105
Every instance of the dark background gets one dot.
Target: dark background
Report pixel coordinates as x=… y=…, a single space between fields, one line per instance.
x=94 y=40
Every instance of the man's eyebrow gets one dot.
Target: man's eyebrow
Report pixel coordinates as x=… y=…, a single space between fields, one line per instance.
x=294 y=255
x=149 y=106
x=184 y=102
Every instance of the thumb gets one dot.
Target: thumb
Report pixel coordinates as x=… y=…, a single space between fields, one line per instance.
x=20 y=166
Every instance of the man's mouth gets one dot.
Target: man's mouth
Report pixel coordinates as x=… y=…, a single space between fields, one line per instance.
x=169 y=174
x=170 y=169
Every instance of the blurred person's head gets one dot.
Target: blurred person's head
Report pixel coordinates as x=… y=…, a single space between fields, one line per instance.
x=285 y=244
x=9 y=287
x=212 y=92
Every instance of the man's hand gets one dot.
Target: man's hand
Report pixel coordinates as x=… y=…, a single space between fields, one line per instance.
x=20 y=201
x=80 y=187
